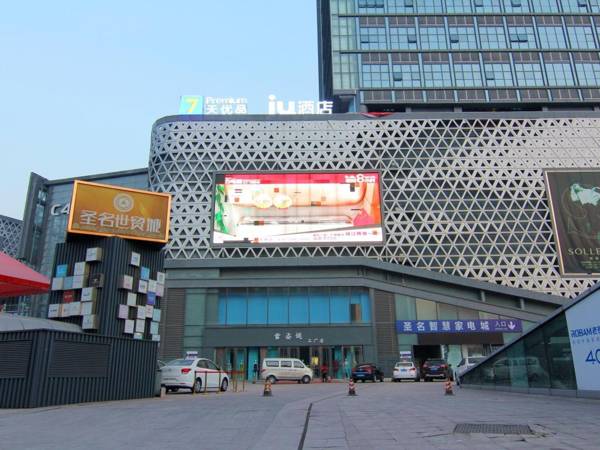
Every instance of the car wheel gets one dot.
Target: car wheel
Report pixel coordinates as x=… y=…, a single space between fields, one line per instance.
x=362 y=381
x=305 y=379
x=224 y=385
x=197 y=388
x=271 y=379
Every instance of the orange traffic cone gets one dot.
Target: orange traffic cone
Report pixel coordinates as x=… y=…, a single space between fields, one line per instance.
x=267 y=389
x=448 y=388
x=351 y=387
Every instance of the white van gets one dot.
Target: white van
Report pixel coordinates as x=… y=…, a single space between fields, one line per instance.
x=275 y=369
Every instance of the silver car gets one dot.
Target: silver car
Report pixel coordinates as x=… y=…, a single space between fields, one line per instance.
x=464 y=364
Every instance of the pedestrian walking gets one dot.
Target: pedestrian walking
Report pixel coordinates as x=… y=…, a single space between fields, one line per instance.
x=255 y=372
x=324 y=372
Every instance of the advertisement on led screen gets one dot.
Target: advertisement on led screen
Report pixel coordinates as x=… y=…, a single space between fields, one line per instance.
x=574 y=197
x=297 y=208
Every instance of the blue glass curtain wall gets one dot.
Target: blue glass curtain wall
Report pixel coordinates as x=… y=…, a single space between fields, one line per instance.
x=266 y=306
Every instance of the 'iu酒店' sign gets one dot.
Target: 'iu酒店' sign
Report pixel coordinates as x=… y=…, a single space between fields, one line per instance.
x=104 y=210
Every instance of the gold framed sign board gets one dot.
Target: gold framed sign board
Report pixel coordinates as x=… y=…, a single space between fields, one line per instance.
x=104 y=210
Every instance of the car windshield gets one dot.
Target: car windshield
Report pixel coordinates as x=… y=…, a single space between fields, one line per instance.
x=181 y=362
x=363 y=367
x=403 y=364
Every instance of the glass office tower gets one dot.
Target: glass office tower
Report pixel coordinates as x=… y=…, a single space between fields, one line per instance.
x=412 y=55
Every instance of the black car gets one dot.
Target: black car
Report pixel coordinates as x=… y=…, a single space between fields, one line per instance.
x=367 y=371
x=434 y=368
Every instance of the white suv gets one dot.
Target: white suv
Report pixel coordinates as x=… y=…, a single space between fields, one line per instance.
x=197 y=374
x=275 y=369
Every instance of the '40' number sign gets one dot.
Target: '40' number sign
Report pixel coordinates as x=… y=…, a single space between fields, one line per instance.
x=593 y=356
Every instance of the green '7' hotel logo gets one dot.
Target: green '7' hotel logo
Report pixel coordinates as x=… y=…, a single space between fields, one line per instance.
x=191 y=104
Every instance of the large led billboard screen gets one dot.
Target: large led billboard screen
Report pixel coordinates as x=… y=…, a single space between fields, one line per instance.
x=291 y=208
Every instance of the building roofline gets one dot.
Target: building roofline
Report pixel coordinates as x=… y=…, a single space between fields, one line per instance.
x=119 y=173
x=556 y=114
x=10 y=219
x=366 y=262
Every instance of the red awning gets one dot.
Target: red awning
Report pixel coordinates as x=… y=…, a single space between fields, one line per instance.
x=18 y=279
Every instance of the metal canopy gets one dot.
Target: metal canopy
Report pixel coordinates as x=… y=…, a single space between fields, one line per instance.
x=18 y=279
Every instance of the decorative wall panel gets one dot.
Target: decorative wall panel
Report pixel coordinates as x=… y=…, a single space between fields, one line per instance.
x=462 y=195
x=10 y=235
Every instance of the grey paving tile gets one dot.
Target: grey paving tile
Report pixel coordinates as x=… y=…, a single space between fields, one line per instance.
x=415 y=416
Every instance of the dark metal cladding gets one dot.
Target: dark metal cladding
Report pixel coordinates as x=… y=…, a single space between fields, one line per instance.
x=57 y=367
x=173 y=324
x=115 y=263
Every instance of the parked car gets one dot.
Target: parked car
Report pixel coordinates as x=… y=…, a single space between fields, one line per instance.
x=466 y=363
x=276 y=369
x=196 y=374
x=434 y=368
x=367 y=371
x=405 y=370
x=158 y=379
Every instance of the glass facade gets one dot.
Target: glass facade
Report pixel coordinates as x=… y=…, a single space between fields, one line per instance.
x=298 y=306
x=488 y=28
x=412 y=308
x=542 y=359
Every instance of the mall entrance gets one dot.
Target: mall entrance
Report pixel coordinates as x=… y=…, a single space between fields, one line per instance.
x=452 y=353
x=337 y=360
x=424 y=352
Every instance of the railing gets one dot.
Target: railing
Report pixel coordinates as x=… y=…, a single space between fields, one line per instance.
x=234 y=377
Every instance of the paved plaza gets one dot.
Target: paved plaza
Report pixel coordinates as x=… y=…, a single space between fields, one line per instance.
x=382 y=416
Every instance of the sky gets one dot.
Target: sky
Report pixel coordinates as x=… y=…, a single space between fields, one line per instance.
x=82 y=82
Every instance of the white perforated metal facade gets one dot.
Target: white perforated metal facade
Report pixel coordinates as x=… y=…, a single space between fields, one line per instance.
x=10 y=235
x=462 y=195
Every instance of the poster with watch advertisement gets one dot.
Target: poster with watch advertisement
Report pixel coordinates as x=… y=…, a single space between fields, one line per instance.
x=574 y=197
x=288 y=208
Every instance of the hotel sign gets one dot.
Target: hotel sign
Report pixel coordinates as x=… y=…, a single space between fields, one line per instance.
x=574 y=197
x=104 y=210
x=198 y=104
